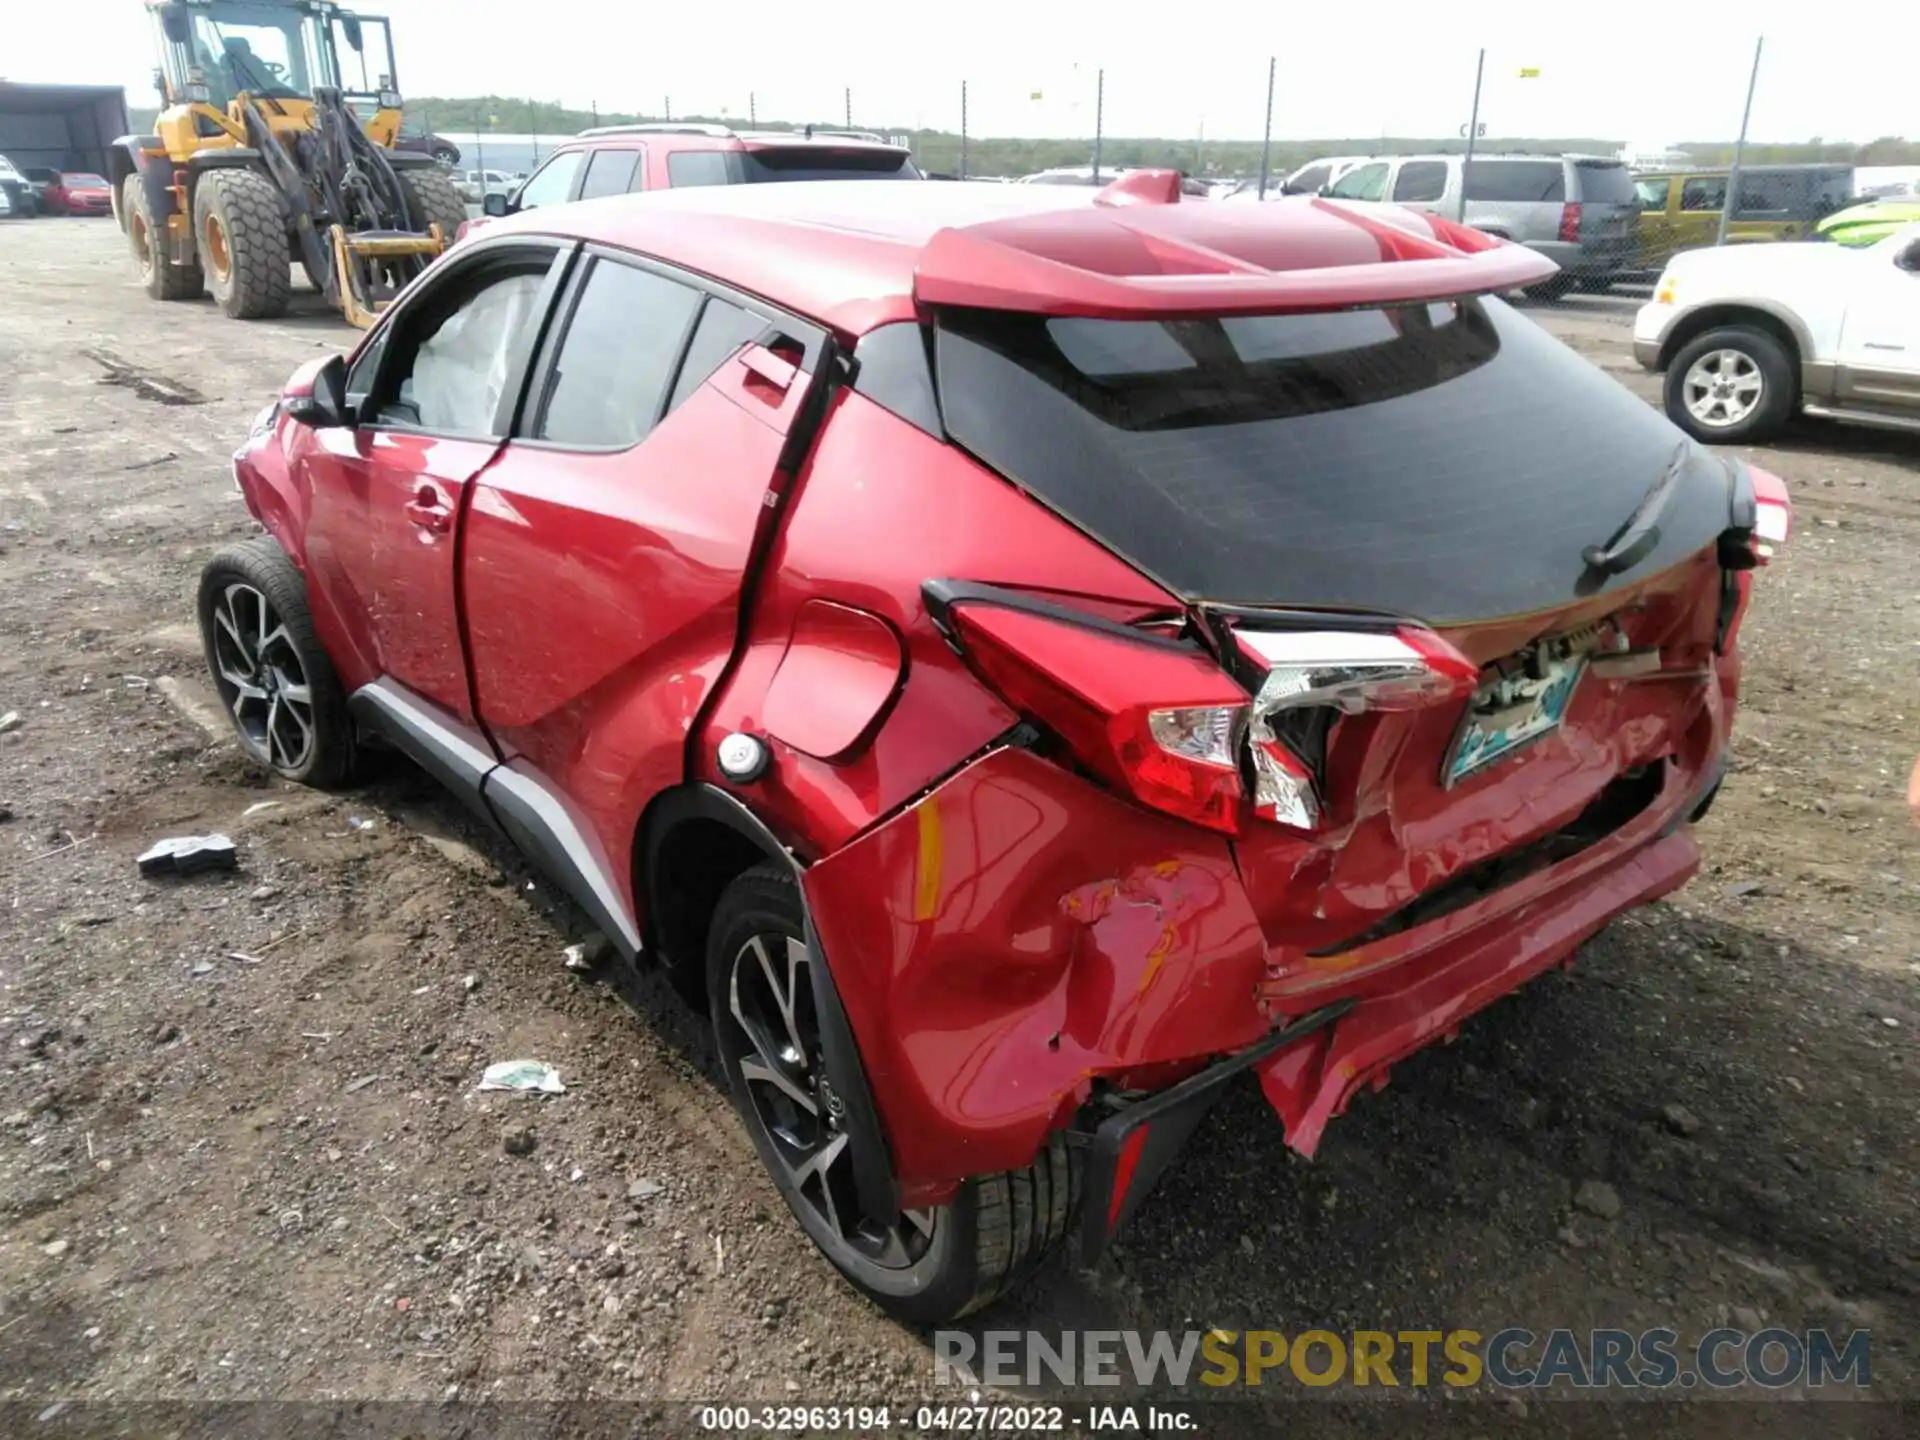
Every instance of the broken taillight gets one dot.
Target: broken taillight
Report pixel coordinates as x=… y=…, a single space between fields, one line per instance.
x=1772 y=514
x=1157 y=718
x=1154 y=717
x=1349 y=671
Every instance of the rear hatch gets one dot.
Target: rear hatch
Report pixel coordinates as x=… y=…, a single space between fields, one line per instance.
x=1609 y=218
x=1326 y=485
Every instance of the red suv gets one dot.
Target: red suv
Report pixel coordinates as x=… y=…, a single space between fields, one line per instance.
x=1021 y=657
x=76 y=192
x=617 y=159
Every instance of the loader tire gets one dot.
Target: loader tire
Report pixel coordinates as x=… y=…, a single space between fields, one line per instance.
x=148 y=238
x=434 y=201
x=240 y=225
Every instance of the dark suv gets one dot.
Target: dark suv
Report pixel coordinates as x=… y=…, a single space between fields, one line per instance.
x=1022 y=658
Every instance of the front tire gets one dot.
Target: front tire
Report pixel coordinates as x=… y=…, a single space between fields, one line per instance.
x=278 y=686
x=934 y=1265
x=434 y=201
x=240 y=227
x=1732 y=386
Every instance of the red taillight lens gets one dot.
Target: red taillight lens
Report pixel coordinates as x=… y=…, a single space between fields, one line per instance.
x=1154 y=718
x=1773 y=513
x=1570 y=222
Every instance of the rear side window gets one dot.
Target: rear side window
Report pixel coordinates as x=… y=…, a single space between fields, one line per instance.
x=1516 y=181
x=1448 y=461
x=622 y=342
x=1604 y=184
x=723 y=329
x=1420 y=180
x=609 y=172
x=702 y=167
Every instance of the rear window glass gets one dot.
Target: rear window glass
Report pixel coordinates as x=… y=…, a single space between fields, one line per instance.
x=1447 y=461
x=78 y=181
x=774 y=163
x=814 y=162
x=1516 y=180
x=1605 y=184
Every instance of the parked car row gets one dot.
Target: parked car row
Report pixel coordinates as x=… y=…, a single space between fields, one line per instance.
x=40 y=191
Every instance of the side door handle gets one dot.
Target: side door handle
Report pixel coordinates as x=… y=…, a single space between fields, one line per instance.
x=429 y=510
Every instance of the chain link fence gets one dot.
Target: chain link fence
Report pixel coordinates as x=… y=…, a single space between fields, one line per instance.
x=1723 y=135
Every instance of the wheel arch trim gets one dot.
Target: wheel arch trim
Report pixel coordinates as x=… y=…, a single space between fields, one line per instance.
x=1732 y=310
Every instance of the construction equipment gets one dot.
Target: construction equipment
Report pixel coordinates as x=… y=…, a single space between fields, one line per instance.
x=275 y=145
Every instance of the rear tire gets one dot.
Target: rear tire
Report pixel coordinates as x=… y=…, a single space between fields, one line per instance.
x=434 y=201
x=1742 y=354
x=278 y=686
x=147 y=235
x=240 y=226
x=936 y=1265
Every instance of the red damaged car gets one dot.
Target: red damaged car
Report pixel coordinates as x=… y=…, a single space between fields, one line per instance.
x=1019 y=657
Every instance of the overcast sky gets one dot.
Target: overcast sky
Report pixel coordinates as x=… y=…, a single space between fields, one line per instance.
x=1646 y=71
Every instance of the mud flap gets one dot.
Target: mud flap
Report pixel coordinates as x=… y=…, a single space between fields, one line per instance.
x=1129 y=1150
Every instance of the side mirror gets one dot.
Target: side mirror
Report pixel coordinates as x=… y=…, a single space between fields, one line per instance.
x=350 y=27
x=495 y=204
x=316 y=396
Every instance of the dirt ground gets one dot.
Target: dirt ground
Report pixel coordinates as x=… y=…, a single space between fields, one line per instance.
x=242 y=1155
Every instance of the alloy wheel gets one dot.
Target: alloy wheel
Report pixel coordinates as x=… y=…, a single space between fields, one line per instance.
x=261 y=680
x=774 y=1037
x=1723 y=388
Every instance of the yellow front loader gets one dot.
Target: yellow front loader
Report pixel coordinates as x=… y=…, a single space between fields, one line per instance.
x=275 y=146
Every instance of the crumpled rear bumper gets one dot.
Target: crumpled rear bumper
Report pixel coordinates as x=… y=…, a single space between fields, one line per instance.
x=1486 y=952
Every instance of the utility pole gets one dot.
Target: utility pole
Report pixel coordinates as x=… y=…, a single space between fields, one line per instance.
x=1473 y=131
x=753 y=113
x=1739 y=146
x=963 y=129
x=1266 y=139
x=666 y=108
x=849 y=99
x=1099 y=117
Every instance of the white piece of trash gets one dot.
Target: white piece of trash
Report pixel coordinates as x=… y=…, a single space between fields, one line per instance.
x=529 y=1076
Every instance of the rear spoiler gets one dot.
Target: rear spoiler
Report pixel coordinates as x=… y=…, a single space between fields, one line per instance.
x=1203 y=259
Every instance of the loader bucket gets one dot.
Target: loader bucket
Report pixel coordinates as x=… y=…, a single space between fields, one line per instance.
x=366 y=284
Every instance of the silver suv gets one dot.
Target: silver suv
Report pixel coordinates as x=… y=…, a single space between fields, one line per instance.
x=1580 y=211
